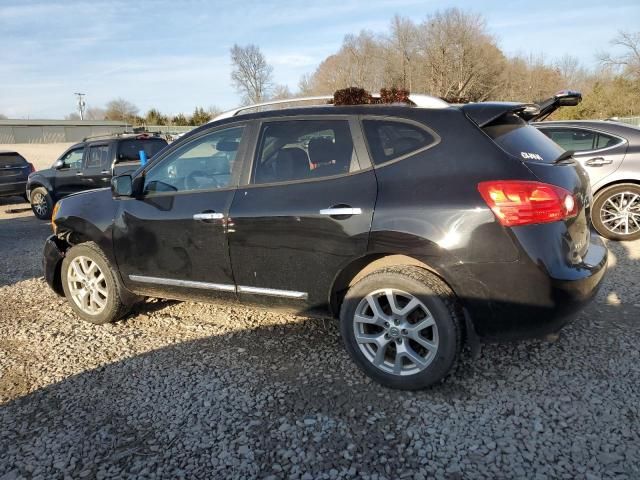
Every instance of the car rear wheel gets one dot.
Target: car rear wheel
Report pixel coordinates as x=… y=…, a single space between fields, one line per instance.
x=91 y=285
x=616 y=212
x=41 y=203
x=402 y=327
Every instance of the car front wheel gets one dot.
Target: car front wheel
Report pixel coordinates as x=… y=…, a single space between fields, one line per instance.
x=41 y=203
x=91 y=285
x=402 y=327
x=616 y=212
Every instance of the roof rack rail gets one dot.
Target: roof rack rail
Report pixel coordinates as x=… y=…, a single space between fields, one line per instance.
x=419 y=100
x=135 y=131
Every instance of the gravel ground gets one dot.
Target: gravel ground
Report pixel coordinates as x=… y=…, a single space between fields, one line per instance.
x=181 y=390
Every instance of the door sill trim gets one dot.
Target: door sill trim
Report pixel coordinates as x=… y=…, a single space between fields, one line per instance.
x=272 y=292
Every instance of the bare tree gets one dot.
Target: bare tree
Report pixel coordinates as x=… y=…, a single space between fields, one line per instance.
x=72 y=116
x=629 y=60
x=121 y=109
x=251 y=74
x=3 y=116
x=281 y=92
x=95 y=113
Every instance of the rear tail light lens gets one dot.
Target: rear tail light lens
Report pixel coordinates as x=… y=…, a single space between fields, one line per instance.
x=31 y=168
x=516 y=202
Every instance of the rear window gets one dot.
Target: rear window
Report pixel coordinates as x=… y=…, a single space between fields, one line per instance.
x=389 y=140
x=129 y=150
x=580 y=139
x=521 y=140
x=11 y=160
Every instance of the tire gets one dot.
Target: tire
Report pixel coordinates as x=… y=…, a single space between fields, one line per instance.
x=624 y=200
x=104 y=302
x=41 y=203
x=434 y=305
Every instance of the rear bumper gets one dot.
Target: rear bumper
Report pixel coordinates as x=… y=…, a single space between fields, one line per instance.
x=14 y=188
x=527 y=298
x=53 y=255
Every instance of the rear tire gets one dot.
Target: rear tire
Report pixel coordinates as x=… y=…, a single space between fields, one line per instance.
x=616 y=211
x=91 y=285
x=402 y=327
x=41 y=203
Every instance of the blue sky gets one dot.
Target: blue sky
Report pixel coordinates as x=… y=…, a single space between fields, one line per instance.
x=174 y=55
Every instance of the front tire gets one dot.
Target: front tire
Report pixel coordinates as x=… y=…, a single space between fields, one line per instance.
x=91 y=285
x=616 y=212
x=402 y=327
x=41 y=203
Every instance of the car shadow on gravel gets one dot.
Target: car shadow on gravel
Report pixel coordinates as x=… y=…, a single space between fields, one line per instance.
x=286 y=399
x=21 y=242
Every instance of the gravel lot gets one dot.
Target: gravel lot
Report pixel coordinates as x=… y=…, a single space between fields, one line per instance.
x=206 y=391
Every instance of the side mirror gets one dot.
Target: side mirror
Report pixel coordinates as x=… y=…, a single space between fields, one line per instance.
x=58 y=165
x=122 y=186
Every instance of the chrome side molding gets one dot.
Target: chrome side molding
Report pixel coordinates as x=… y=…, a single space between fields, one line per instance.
x=223 y=287
x=272 y=292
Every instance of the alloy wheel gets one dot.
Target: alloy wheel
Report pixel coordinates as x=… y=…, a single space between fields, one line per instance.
x=620 y=213
x=396 y=332
x=87 y=285
x=39 y=203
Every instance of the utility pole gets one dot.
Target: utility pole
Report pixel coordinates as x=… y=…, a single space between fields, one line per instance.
x=81 y=103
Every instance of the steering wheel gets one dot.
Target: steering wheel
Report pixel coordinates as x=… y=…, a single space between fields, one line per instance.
x=192 y=183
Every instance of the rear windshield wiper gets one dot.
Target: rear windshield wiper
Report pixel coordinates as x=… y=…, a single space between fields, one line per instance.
x=564 y=155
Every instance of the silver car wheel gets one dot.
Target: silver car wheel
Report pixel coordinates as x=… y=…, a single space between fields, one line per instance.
x=39 y=203
x=87 y=285
x=620 y=213
x=396 y=332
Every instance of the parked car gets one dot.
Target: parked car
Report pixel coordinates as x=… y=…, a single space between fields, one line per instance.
x=610 y=153
x=87 y=165
x=420 y=228
x=14 y=170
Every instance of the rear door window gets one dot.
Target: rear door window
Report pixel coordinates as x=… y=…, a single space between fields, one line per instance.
x=580 y=139
x=129 y=150
x=389 y=140
x=8 y=160
x=98 y=157
x=293 y=150
x=518 y=138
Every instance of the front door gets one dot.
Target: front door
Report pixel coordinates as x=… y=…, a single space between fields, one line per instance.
x=305 y=213
x=171 y=242
x=68 y=176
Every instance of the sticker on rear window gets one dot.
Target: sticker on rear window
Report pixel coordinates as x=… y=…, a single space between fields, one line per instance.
x=531 y=156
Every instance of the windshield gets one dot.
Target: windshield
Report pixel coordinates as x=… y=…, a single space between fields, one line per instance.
x=523 y=141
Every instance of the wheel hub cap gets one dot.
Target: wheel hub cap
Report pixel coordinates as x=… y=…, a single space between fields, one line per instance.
x=620 y=213
x=87 y=285
x=396 y=332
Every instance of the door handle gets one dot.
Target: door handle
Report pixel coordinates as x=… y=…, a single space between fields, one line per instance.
x=598 y=162
x=105 y=172
x=341 y=211
x=208 y=216
x=79 y=174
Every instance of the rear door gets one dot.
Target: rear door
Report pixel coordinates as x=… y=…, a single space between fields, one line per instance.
x=96 y=172
x=598 y=152
x=304 y=213
x=68 y=177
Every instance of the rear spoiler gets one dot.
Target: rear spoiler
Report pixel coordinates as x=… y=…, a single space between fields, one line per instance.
x=564 y=98
x=484 y=113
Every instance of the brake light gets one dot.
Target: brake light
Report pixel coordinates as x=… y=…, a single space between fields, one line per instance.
x=516 y=202
x=31 y=168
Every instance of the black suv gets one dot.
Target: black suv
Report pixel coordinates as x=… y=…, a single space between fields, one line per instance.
x=88 y=165
x=14 y=171
x=420 y=228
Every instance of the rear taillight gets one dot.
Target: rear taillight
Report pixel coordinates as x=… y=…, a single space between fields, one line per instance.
x=516 y=202
x=31 y=168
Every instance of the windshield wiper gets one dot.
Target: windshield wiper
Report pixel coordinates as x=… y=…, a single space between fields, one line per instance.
x=564 y=155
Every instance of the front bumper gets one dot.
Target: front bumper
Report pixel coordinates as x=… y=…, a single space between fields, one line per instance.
x=53 y=255
x=529 y=298
x=15 y=188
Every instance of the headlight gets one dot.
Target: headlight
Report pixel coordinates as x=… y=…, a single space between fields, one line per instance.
x=54 y=213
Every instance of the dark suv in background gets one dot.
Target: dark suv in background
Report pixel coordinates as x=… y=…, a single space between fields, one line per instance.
x=420 y=228
x=88 y=165
x=14 y=170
